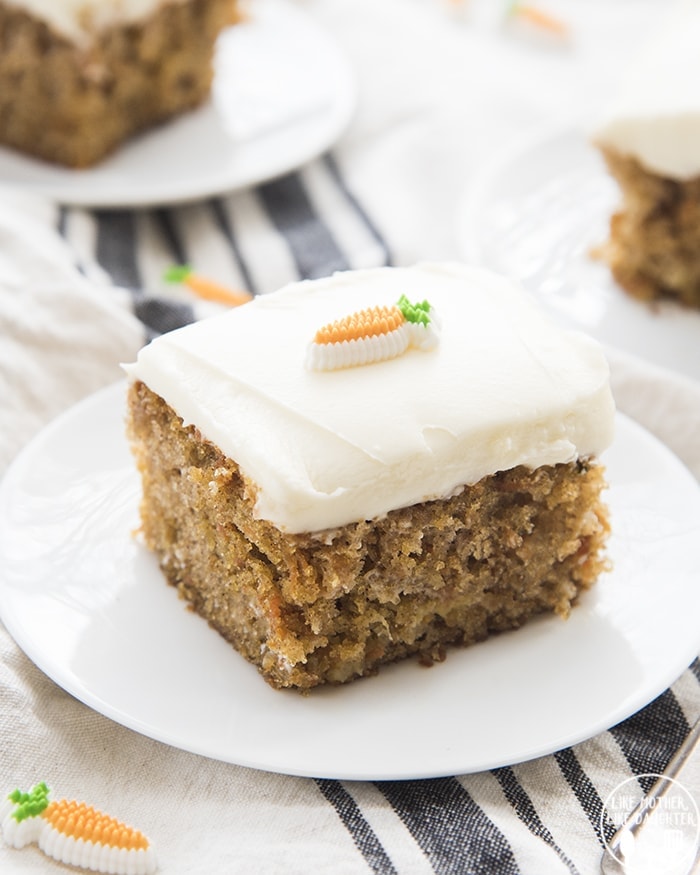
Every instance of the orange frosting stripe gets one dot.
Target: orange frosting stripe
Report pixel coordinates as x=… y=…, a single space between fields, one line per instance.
x=365 y=323
x=81 y=821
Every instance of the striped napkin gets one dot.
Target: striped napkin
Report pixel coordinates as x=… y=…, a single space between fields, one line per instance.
x=82 y=290
x=306 y=224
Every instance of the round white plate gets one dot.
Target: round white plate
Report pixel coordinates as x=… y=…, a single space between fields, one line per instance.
x=89 y=606
x=536 y=214
x=282 y=94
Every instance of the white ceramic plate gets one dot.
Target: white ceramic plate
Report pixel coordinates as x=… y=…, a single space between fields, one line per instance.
x=536 y=214
x=282 y=94
x=89 y=606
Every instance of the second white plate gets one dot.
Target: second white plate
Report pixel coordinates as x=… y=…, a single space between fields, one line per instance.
x=282 y=94
x=536 y=214
x=90 y=607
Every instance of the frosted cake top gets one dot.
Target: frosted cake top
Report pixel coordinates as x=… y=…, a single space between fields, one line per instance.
x=500 y=386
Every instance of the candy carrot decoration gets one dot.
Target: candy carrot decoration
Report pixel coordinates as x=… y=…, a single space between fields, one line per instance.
x=372 y=335
x=206 y=288
x=539 y=18
x=74 y=833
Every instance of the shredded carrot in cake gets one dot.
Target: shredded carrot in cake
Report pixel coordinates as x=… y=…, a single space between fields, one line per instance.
x=206 y=288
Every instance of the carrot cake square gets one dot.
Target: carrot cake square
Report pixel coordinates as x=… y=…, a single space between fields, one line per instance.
x=380 y=464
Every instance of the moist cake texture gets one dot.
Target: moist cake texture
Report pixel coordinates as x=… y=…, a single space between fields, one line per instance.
x=650 y=140
x=328 y=521
x=79 y=78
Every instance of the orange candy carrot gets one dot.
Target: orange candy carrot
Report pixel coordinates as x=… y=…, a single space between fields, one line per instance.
x=539 y=18
x=372 y=335
x=205 y=288
x=364 y=323
x=84 y=822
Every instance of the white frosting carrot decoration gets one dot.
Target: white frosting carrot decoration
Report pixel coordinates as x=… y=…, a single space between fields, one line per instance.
x=373 y=335
x=74 y=833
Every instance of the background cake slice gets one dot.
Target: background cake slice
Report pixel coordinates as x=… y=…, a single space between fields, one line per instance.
x=327 y=521
x=650 y=138
x=79 y=77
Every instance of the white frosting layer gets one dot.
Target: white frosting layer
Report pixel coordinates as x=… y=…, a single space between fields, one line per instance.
x=654 y=116
x=78 y=19
x=502 y=387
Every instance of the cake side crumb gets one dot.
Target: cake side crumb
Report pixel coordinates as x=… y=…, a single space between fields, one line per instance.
x=322 y=608
x=653 y=249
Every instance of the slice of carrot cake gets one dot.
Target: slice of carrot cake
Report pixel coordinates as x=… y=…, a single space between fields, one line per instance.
x=79 y=77
x=378 y=464
x=650 y=139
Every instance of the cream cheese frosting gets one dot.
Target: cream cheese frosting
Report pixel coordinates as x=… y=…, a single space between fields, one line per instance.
x=502 y=387
x=78 y=20
x=654 y=114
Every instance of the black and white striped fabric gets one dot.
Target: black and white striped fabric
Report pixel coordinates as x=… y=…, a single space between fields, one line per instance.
x=539 y=817
x=304 y=225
